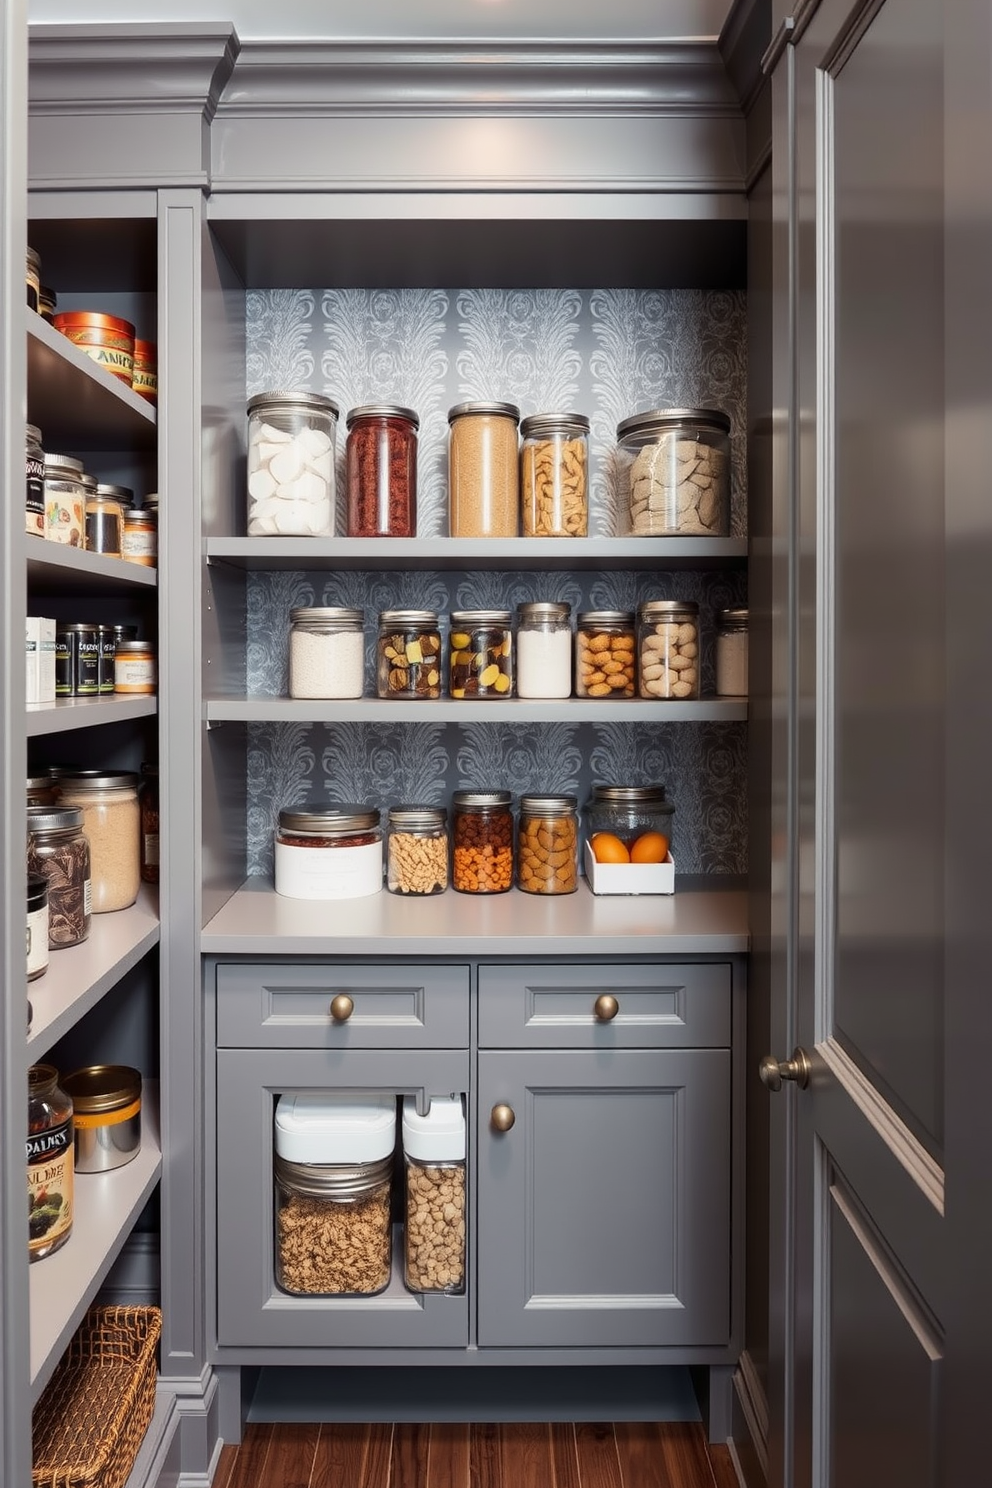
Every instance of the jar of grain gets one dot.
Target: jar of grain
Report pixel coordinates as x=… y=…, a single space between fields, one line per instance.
x=291 y=465
x=139 y=536
x=675 y=464
x=326 y=652
x=49 y=1163
x=434 y=1158
x=482 y=833
x=57 y=848
x=483 y=470
x=668 y=649
x=548 y=845
x=332 y=1167
x=65 y=500
x=554 y=460
x=408 y=654
x=480 y=657
x=604 y=654
x=112 y=823
x=382 y=471
x=628 y=811
x=417 y=850
x=34 y=463
x=544 y=650
x=328 y=853
x=731 y=652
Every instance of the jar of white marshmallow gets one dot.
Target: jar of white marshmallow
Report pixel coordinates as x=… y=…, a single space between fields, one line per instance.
x=291 y=465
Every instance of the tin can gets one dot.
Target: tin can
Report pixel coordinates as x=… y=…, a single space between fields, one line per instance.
x=144 y=376
x=106 y=1106
x=77 y=660
x=106 y=339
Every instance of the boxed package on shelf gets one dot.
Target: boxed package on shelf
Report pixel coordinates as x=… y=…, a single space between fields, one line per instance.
x=40 y=659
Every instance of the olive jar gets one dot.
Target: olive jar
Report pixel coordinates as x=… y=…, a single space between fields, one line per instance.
x=675 y=468
x=291 y=465
x=49 y=1163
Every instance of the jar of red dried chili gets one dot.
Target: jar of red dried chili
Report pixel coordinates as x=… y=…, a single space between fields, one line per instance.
x=382 y=471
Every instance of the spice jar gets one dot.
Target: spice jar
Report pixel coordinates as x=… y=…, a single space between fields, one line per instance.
x=49 y=1162
x=668 y=649
x=676 y=466
x=57 y=848
x=291 y=465
x=731 y=652
x=326 y=652
x=548 y=845
x=544 y=650
x=408 y=654
x=139 y=536
x=382 y=471
x=105 y=519
x=106 y=1116
x=32 y=276
x=65 y=500
x=604 y=654
x=554 y=460
x=77 y=660
x=333 y=1167
x=480 y=658
x=106 y=339
x=34 y=463
x=483 y=470
x=417 y=850
x=434 y=1159
x=37 y=926
x=332 y=853
x=628 y=811
x=135 y=668
x=144 y=373
x=148 y=801
x=482 y=831
x=112 y=823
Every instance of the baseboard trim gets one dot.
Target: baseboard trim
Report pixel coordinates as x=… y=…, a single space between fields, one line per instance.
x=749 y=1436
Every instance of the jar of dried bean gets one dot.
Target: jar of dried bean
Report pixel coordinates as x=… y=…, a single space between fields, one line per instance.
x=675 y=464
x=332 y=852
x=668 y=649
x=382 y=471
x=57 y=847
x=548 y=845
x=408 y=654
x=49 y=1163
x=554 y=460
x=112 y=823
x=480 y=659
x=482 y=834
x=417 y=850
x=544 y=650
x=434 y=1233
x=628 y=811
x=291 y=465
x=326 y=652
x=483 y=470
x=604 y=654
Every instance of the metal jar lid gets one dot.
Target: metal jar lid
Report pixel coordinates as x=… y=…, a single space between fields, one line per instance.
x=335 y=821
x=382 y=410
x=605 y=617
x=140 y=516
x=283 y=399
x=548 y=805
x=128 y=647
x=418 y=818
x=319 y=617
x=659 y=420
x=54 y=818
x=544 y=609
x=123 y=494
x=32 y=433
x=389 y=618
x=536 y=425
x=76 y=627
x=663 y=609
x=467 y=618
x=103 y=1087
x=467 y=800
x=502 y=410
x=732 y=619
x=88 y=483
x=63 y=465
x=339 y=1183
x=95 y=780
x=628 y=795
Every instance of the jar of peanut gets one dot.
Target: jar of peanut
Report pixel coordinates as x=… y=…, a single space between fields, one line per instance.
x=547 y=845
x=417 y=850
x=480 y=658
x=482 y=830
x=554 y=459
x=604 y=654
x=434 y=1233
x=668 y=649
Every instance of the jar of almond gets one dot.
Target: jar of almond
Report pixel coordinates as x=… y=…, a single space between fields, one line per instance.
x=547 y=845
x=604 y=654
x=668 y=649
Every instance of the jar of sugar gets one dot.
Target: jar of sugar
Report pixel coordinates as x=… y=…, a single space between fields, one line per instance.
x=291 y=465
x=326 y=652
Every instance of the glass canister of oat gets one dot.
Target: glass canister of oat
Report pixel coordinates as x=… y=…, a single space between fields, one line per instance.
x=676 y=465
x=554 y=460
x=480 y=659
x=434 y=1158
x=668 y=649
x=408 y=654
x=604 y=654
x=483 y=470
x=548 y=845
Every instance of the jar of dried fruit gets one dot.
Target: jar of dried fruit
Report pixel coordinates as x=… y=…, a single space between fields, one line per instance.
x=480 y=659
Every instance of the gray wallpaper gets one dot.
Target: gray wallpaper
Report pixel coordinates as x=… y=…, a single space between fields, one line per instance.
x=607 y=353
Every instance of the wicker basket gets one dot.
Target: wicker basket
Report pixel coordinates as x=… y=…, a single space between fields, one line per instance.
x=95 y=1410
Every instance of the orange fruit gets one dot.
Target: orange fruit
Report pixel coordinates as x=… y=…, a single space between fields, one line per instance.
x=607 y=848
x=650 y=847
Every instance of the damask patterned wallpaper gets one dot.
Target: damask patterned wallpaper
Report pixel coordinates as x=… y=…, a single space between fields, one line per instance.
x=607 y=353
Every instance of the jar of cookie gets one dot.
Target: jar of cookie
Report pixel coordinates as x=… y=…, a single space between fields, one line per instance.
x=604 y=654
x=675 y=467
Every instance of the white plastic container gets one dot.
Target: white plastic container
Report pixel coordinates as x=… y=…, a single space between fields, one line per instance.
x=434 y=1155
x=332 y=854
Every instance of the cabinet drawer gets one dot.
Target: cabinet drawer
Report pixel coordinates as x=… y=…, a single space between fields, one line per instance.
x=291 y=1004
x=564 y=1005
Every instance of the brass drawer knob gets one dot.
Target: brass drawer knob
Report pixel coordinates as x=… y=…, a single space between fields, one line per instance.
x=606 y=1007
x=342 y=1007
x=502 y=1118
x=772 y=1071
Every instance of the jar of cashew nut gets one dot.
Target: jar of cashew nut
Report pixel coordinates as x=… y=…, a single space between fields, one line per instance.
x=417 y=850
x=554 y=460
x=676 y=469
x=604 y=654
x=548 y=845
x=668 y=649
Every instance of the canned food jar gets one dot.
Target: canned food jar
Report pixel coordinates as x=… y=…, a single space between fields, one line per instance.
x=434 y=1232
x=668 y=649
x=483 y=470
x=731 y=652
x=480 y=656
x=106 y=1111
x=77 y=660
x=408 y=654
x=144 y=374
x=675 y=463
x=65 y=500
x=106 y=339
x=482 y=834
x=58 y=849
x=291 y=465
x=33 y=277
x=604 y=654
x=332 y=1168
x=417 y=850
x=629 y=812
x=34 y=469
x=148 y=801
x=47 y=303
x=105 y=519
x=382 y=471
x=548 y=845
x=332 y=853
x=37 y=926
x=544 y=650
x=112 y=823
x=554 y=461
x=49 y=1163
x=326 y=652
x=135 y=668
x=139 y=536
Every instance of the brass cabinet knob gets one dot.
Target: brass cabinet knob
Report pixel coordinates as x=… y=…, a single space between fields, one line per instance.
x=606 y=1007
x=772 y=1071
x=342 y=1007
x=502 y=1118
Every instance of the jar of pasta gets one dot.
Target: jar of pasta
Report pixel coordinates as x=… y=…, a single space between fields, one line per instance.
x=483 y=470
x=417 y=850
x=554 y=459
x=604 y=654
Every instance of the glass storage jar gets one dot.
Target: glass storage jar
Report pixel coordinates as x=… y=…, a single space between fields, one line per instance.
x=112 y=823
x=49 y=1163
x=482 y=836
x=32 y=277
x=434 y=1232
x=731 y=652
x=34 y=463
x=291 y=465
x=483 y=470
x=408 y=654
x=480 y=655
x=382 y=471
x=333 y=852
x=326 y=652
x=554 y=460
x=417 y=850
x=548 y=845
x=42 y=790
x=604 y=654
x=544 y=650
x=675 y=465
x=48 y=303
x=65 y=500
x=668 y=649
x=37 y=926
x=105 y=520
x=139 y=536
x=77 y=660
x=629 y=811
x=148 y=801
x=135 y=668
x=57 y=848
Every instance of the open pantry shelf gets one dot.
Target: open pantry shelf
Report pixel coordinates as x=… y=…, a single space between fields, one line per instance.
x=68 y=391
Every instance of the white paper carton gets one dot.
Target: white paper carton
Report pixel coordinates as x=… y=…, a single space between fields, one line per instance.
x=630 y=878
x=40 y=659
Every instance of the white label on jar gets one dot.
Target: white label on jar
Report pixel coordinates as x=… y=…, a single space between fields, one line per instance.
x=328 y=872
x=88 y=897
x=544 y=663
x=37 y=940
x=138 y=544
x=134 y=675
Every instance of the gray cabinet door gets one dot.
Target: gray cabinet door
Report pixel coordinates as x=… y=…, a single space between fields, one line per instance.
x=604 y=1212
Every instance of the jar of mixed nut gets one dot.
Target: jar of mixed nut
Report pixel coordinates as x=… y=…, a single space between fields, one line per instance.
x=668 y=649
x=604 y=654
x=408 y=654
x=544 y=650
x=548 y=845
x=483 y=470
x=417 y=850
x=482 y=832
x=434 y=1233
x=480 y=662
x=57 y=848
x=554 y=460
x=676 y=465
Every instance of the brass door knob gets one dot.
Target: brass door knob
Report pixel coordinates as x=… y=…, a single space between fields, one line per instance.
x=502 y=1118
x=606 y=1007
x=773 y=1071
x=342 y=1007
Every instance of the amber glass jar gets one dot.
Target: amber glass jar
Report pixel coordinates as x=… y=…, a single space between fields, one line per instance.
x=482 y=834
x=382 y=471
x=49 y=1161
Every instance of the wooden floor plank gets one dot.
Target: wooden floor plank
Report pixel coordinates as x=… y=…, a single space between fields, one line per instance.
x=377 y=1458
x=722 y=1466
x=448 y=1459
x=525 y=1454
x=683 y=1445
x=564 y=1456
x=292 y=1450
x=599 y=1461
x=249 y=1470
x=339 y=1461
x=642 y=1464
x=225 y=1466
x=409 y=1456
x=485 y=1470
